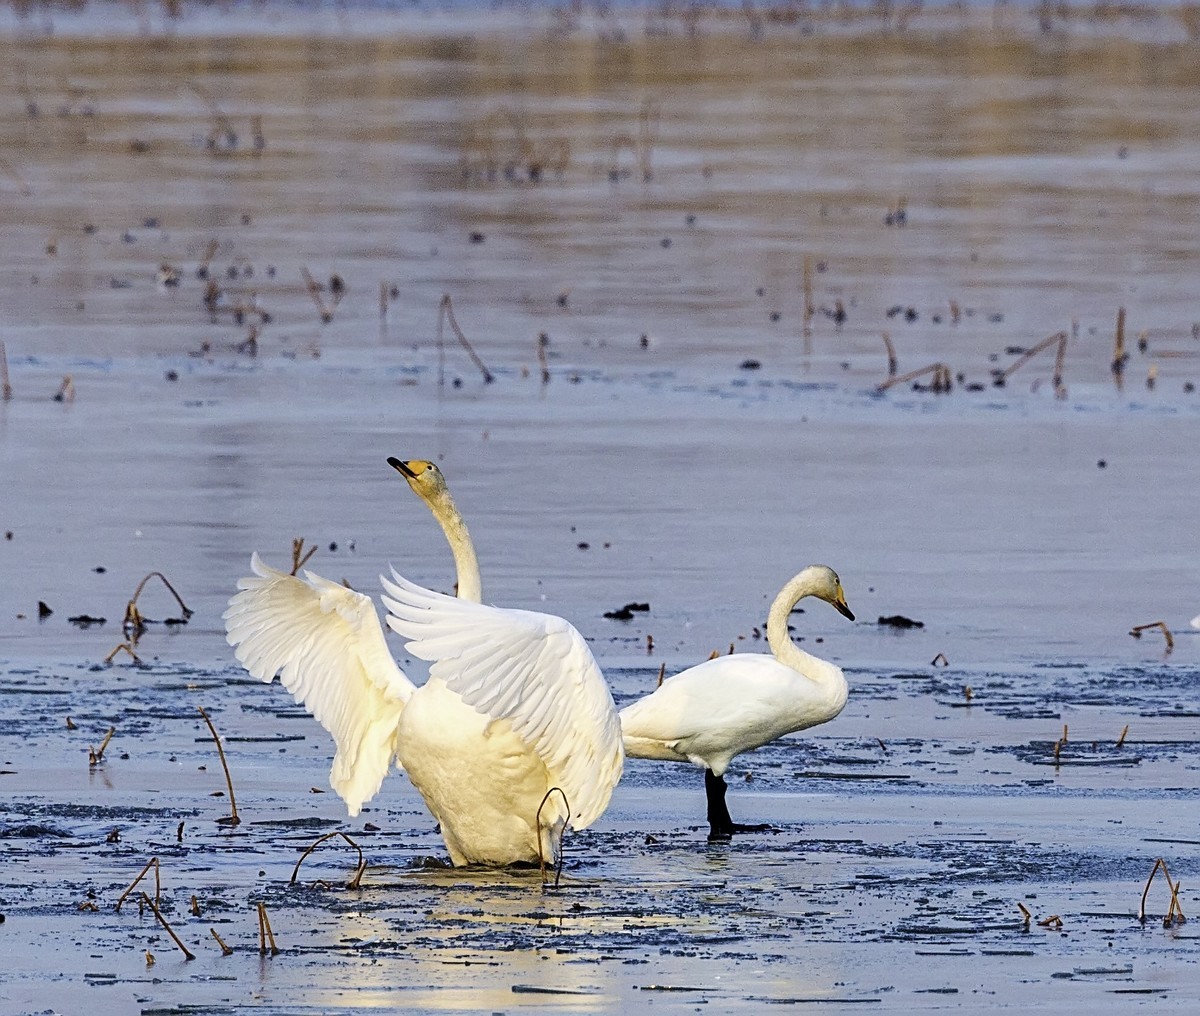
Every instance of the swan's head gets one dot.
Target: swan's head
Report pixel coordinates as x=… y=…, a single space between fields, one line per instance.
x=827 y=586
x=424 y=477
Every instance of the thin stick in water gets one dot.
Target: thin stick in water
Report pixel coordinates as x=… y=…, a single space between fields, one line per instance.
x=6 y=392
x=1137 y=630
x=225 y=950
x=265 y=934
x=355 y=880
x=96 y=755
x=187 y=953
x=152 y=863
x=542 y=342
x=446 y=312
x=891 y=351
x=134 y=622
x=231 y=819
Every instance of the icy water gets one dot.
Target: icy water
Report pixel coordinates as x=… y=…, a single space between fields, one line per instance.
x=713 y=217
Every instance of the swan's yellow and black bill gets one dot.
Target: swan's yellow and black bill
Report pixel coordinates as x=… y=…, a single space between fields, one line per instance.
x=411 y=469
x=840 y=604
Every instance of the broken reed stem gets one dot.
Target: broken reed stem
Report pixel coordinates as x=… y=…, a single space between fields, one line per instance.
x=1121 y=739
x=893 y=364
x=1029 y=354
x=152 y=863
x=133 y=617
x=225 y=950
x=1025 y=914
x=356 y=881
x=1053 y=921
x=648 y=118
x=299 y=557
x=187 y=954
x=1136 y=632
x=265 y=934
x=96 y=755
x=542 y=342
x=1176 y=910
x=561 y=838
x=1119 y=354
x=941 y=377
x=5 y=388
x=314 y=291
x=446 y=312
x=662 y=670
x=128 y=647
x=66 y=390
x=809 y=307
x=231 y=819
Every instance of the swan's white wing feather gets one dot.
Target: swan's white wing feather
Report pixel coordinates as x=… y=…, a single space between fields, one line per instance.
x=534 y=670
x=327 y=645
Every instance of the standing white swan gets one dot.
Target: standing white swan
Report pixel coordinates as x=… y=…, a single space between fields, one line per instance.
x=709 y=713
x=513 y=735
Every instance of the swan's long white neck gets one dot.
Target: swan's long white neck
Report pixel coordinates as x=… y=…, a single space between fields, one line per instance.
x=470 y=586
x=785 y=650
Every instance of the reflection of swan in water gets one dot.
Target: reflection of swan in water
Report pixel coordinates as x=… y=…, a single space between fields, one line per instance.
x=515 y=705
x=709 y=713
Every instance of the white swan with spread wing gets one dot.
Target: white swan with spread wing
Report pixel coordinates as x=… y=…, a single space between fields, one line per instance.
x=513 y=735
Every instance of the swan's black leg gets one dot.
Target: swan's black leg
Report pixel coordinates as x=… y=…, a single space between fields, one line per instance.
x=720 y=825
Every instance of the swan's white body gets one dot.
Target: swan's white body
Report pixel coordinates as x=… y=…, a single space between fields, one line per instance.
x=1196 y=621
x=712 y=712
x=514 y=709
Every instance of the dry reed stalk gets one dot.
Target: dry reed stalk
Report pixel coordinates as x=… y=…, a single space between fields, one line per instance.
x=1029 y=354
x=1064 y=737
x=152 y=863
x=662 y=671
x=66 y=390
x=1176 y=910
x=383 y=299
x=1053 y=921
x=809 y=306
x=195 y=906
x=648 y=121
x=231 y=819
x=96 y=755
x=134 y=623
x=940 y=372
x=1121 y=739
x=1025 y=914
x=446 y=313
x=299 y=557
x=314 y=291
x=939 y=660
x=128 y=647
x=1137 y=630
x=222 y=125
x=265 y=934
x=6 y=391
x=1119 y=354
x=187 y=954
x=356 y=881
x=561 y=837
x=542 y=342
x=891 y=351
x=225 y=950
x=649 y=645
x=1057 y=750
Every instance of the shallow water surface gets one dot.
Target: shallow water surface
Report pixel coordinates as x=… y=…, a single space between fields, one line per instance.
x=713 y=221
